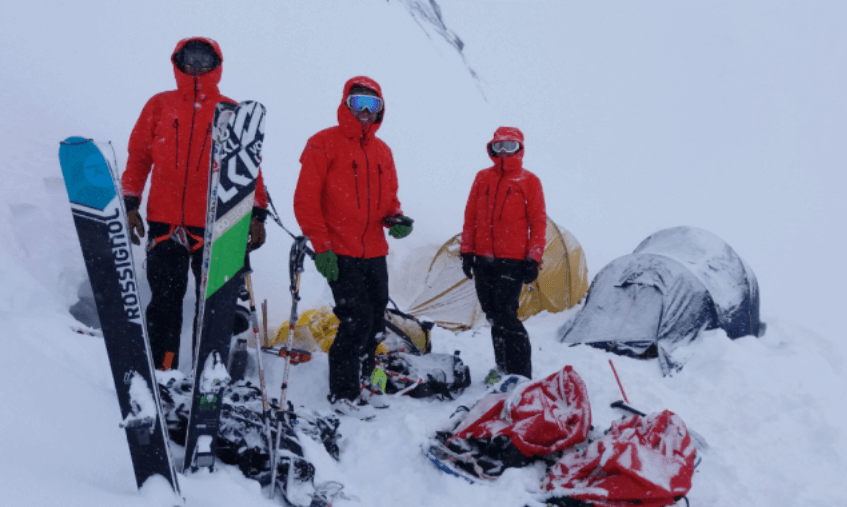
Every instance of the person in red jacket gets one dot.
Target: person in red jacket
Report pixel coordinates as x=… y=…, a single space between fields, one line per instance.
x=346 y=195
x=172 y=139
x=503 y=239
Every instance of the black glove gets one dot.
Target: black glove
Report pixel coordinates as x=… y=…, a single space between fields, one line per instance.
x=257 y=228
x=530 y=273
x=257 y=234
x=467 y=264
x=133 y=218
x=260 y=214
x=400 y=226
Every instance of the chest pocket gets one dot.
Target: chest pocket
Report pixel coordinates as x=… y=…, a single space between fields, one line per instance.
x=381 y=182
x=164 y=146
x=512 y=206
x=342 y=181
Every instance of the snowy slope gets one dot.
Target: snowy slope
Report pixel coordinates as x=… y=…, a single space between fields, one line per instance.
x=728 y=116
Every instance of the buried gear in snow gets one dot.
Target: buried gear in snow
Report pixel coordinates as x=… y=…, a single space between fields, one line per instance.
x=242 y=441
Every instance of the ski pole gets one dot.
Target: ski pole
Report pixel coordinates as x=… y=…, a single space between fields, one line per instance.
x=265 y=323
x=254 y=321
x=619 y=380
x=295 y=269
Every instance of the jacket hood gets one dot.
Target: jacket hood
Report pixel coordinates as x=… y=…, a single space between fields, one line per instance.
x=352 y=127
x=514 y=162
x=208 y=82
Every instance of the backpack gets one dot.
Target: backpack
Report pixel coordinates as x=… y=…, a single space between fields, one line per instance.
x=646 y=461
x=440 y=376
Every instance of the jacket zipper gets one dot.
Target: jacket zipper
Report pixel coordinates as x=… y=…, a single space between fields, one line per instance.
x=356 y=181
x=188 y=157
x=508 y=191
x=176 y=134
x=203 y=148
x=368 y=214
x=494 y=207
x=379 y=188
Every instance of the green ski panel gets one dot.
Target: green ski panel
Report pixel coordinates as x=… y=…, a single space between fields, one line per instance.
x=228 y=255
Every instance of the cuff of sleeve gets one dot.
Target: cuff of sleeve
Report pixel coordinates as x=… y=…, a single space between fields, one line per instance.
x=260 y=214
x=321 y=248
x=131 y=203
x=536 y=255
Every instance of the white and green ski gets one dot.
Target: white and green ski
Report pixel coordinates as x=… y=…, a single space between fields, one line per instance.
x=237 y=134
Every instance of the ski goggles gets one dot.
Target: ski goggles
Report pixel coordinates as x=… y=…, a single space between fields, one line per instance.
x=201 y=60
x=505 y=146
x=359 y=103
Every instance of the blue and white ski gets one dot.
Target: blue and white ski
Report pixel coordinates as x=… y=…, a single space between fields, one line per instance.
x=98 y=211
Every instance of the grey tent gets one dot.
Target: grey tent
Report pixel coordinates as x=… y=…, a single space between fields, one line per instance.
x=655 y=301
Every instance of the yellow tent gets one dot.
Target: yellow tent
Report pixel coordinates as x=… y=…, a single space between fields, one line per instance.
x=316 y=328
x=449 y=298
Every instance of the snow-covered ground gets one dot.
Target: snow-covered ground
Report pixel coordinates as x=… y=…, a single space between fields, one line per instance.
x=730 y=116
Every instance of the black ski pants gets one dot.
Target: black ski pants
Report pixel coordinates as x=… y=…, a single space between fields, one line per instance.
x=498 y=286
x=167 y=272
x=361 y=295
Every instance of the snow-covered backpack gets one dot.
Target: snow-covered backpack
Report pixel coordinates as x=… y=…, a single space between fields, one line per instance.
x=516 y=422
x=646 y=461
x=405 y=333
x=441 y=376
x=405 y=354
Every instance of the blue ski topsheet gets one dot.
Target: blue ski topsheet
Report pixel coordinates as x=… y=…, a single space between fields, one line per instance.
x=86 y=172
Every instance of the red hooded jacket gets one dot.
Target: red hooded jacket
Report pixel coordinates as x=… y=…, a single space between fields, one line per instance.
x=347 y=185
x=506 y=217
x=173 y=138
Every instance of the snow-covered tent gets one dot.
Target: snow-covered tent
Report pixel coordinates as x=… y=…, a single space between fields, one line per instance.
x=449 y=298
x=656 y=300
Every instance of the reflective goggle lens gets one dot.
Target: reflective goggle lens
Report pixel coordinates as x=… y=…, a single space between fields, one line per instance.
x=199 y=60
x=507 y=146
x=359 y=103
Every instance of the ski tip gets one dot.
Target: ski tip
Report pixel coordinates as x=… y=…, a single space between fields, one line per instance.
x=74 y=140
